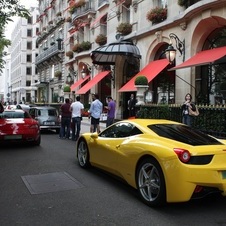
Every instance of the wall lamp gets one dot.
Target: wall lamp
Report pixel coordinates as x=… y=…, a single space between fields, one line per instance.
x=171 y=52
x=69 y=79
x=86 y=70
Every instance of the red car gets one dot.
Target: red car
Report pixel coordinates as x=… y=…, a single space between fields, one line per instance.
x=18 y=126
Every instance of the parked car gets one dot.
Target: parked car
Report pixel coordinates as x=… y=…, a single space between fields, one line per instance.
x=165 y=161
x=19 y=126
x=47 y=117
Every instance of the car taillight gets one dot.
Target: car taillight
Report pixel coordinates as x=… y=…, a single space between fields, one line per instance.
x=183 y=155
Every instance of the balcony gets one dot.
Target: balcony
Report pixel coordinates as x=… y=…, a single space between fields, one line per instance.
x=102 y=3
x=49 y=53
x=84 y=10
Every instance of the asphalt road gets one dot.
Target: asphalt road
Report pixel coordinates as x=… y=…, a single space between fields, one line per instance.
x=44 y=186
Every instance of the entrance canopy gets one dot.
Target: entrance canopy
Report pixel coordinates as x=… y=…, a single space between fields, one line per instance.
x=150 y=71
x=92 y=82
x=79 y=82
x=106 y=55
x=211 y=56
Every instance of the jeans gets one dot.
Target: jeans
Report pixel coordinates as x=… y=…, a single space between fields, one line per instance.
x=109 y=121
x=65 y=124
x=187 y=119
x=76 y=127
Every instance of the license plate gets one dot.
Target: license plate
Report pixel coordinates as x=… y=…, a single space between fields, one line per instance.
x=49 y=123
x=13 y=137
x=224 y=174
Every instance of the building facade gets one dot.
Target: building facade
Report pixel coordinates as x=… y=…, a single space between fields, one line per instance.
x=99 y=46
x=23 y=53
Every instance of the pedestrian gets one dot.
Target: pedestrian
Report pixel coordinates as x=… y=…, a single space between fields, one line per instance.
x=131 y=105
x=95 y=111
x=110 y=111
x=77 y=109
x=1 y=107
x=65 y=119
x=186 y=107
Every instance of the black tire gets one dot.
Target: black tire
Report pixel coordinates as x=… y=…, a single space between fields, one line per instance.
x=151 y=183
x=83 y=154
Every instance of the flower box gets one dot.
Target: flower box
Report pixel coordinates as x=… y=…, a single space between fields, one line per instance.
x=157 y=15
x=101 y=39
x=124 y=28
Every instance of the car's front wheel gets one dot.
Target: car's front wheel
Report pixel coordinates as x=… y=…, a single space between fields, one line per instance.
x=151 y=183
x=83 y=154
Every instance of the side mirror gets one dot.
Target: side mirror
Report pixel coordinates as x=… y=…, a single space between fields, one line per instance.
x=94 y=136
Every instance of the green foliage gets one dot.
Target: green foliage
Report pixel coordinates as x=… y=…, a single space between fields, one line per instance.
x=124 y=28
x=8 y=9
x=141 y=80
x=67 y=88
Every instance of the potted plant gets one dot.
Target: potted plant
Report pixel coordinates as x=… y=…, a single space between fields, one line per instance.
x=101 y=39
x=67 y=89
x=58 y=74
x=68 y=19
x=50 y=22
x=85 y=45
x=141 y=83
x=141 y=80
x=157 y=15
x=124 y=28
x=69 y=54
x=59 y=14
x=79 y=3
x=77 y=48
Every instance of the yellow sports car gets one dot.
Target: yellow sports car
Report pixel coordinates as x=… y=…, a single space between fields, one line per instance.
x=164 y=160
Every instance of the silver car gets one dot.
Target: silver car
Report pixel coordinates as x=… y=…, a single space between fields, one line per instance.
x=48 y=117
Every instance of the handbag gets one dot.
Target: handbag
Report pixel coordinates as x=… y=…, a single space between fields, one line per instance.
x=193 y=113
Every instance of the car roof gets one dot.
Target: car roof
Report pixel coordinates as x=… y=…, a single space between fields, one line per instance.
x=13 y=110
x=42 y=107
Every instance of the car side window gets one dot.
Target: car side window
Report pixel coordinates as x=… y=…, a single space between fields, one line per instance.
x=120 y=130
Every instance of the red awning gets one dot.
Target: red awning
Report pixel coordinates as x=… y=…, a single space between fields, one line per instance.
x=150 y=71
x=93 y=82
x=79 y=82
x=211 y=56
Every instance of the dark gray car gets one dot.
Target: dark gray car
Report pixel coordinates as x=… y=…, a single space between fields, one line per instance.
x=48 y=117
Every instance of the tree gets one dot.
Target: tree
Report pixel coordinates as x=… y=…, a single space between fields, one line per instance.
x=8 y=9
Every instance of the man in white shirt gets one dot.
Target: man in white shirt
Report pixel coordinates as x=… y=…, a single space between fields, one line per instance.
x=95 y=111
x=77 y=109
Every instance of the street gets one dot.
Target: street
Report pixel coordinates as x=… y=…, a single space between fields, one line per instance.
x=44 y=186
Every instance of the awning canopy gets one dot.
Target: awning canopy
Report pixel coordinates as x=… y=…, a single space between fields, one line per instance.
x=79 y=82
x=150 y=71
x=211 y=56
x=92 y=82
x=107 y=54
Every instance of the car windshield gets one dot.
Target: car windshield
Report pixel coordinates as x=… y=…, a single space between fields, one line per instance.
x=14 y=114
x=47 y=112
x=184 y=134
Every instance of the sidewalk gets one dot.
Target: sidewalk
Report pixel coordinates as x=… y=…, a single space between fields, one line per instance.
x=85 y=125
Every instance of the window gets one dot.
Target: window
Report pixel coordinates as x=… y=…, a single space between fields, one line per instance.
x=29 y=32
x=29 y=20
x=121 y=130
x=29 y=57
x=28 y=83
x=29 y=45
x=28 y=70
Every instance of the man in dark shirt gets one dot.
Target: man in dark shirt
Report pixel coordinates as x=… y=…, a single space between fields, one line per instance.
x=65 y=119
x=131 y=105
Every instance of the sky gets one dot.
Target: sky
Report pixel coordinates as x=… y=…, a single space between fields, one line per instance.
x=27 y=4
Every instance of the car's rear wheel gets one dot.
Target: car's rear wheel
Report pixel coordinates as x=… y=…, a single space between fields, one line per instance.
x=151 y=183
x=83 y=154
